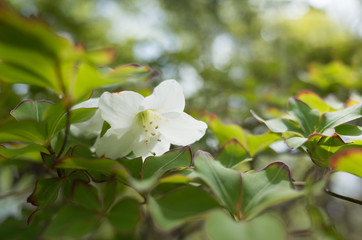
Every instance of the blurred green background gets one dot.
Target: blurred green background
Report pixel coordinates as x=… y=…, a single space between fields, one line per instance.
x=229 y=55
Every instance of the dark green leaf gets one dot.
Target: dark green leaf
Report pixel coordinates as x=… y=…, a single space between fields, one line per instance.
x=125 y=215
x=72 y=221
x=85 y=195
x=134 y=166
x=45 y=192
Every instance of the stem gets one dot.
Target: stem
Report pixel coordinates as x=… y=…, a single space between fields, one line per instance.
x=343 y=197
x=66 y=134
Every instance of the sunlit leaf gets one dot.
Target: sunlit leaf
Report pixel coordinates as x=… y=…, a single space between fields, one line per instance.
x=314 y=101
x=225 y=132
x=258 y=143
x=348 y=160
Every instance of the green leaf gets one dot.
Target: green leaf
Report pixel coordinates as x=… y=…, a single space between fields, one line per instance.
x=156 y=166
x=72 y=222
x=134 y=166
x=252 y=144
x=280 y=125
x=314 y=101
x=24 y=151
x=29 y=51
x=232 y=154
x=219 y=226
x=70 y=179
x=224 y=182
x=295 y=142
x=307 y=117
x=225 y=132
x=85 y=195
x=110 y=191
x=265 y=188
x=45 y=192
x=90 y=78
x=101 y=165
x=333 y=119
x=125 y=215
x=28 y=131
x=30 y=109
x=179 y=206
x=17 y=74
x=321 y=148
x=350 y=131
x=348 y=160
x=57 y=117
x=258 y=143
x=24 y=59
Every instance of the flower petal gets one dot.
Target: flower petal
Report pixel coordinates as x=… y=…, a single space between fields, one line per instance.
x=90 y=103
x=153 y=147
x=115 y=143
x=93 y=126
x=168 y=96
x=119 y=109
x=181 y=128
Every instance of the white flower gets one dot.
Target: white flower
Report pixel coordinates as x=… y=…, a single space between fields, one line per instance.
x=94 y=125
x=146 y=125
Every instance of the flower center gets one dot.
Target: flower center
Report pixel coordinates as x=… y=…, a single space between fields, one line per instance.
x=149 y=119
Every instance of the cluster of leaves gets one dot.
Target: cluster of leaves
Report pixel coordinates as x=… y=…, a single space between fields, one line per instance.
x=175 y=194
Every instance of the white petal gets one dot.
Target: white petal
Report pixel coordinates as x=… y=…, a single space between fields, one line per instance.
x=115 y=143
x=152 y=148
x=92 y=126
x=90 y=103
x=181 y=128
x=168 y=96
x=119 y=109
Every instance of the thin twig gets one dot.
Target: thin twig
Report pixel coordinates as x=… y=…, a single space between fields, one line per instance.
x=343 y=197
